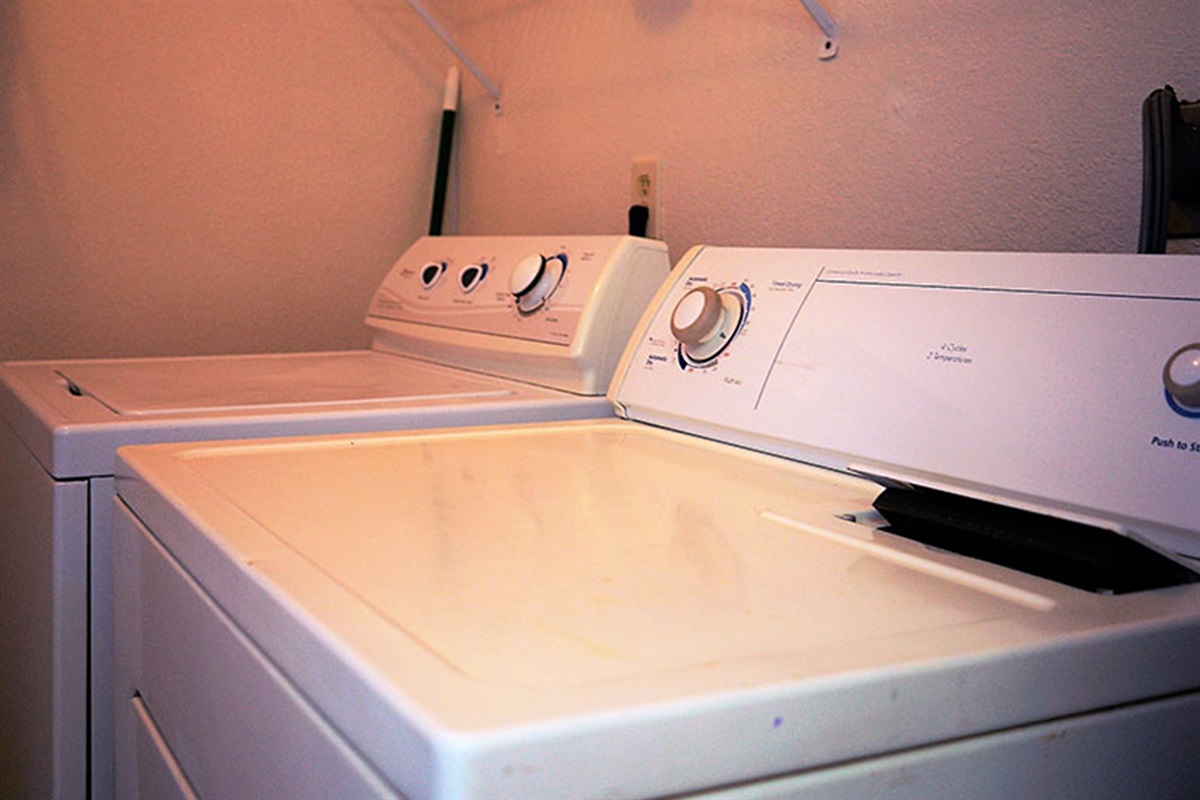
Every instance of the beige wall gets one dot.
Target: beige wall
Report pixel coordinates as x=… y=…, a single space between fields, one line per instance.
x=236 y=176
x=208 y=177
x=992 y=124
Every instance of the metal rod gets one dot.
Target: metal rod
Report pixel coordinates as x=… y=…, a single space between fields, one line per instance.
x=445 y=36
x=821 y=16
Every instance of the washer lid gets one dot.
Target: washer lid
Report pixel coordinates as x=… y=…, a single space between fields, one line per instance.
x=586 y=599
x=213 y=384
x=504 y=553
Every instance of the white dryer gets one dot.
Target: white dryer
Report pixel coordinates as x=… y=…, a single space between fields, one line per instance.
x=873 y=525
x=467 y=330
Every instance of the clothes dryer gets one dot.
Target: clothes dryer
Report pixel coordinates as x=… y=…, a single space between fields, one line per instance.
x=871 y=525
x=466 y=331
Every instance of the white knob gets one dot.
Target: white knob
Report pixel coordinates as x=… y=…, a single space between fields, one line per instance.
x=705 y=321
x=1181 y=375
x=697 y=316
x=534 y=279
x=526 y=274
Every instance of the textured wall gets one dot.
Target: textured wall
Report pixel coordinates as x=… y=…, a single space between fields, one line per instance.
x=941 y=124
x=207 y=176
x=237 y=176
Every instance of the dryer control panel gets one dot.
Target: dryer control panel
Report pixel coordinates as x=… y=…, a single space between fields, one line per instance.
x=551 y=310
x=1064 y=383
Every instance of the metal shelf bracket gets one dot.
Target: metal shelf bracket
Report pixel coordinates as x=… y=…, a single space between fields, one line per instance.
x=446 y=38
x=829 y=45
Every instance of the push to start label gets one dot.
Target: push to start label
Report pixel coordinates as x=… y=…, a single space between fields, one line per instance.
x=1169 y=443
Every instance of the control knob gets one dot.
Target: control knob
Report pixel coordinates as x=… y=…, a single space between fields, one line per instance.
x=431 y=273
x=534 y=279
x=1181 y=376
x=471 y=276
x=705 y=321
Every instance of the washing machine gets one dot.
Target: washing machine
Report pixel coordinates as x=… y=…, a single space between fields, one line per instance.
x=869 y=524
x=466 y=330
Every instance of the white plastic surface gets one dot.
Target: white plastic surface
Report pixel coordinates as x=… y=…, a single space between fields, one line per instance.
x=188 y=716
x=1034 y=378
x=269 y=383
x=69 y=417
x=43 y=663
x=579 y=299
x=609 y=608
x=125 y=401
x=634 y=612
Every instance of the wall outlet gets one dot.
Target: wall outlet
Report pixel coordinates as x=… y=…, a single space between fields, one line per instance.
x=646 y=190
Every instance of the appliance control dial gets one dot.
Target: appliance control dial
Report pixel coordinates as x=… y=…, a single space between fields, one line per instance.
x=697 y=316
x=534 y=279
x=705 y=320
x=1181 y=376
x=471 y=276
x=431 y=273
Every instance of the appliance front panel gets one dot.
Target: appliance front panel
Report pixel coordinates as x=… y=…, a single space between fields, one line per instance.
x=551 y=310
x=1035 y=378
x=427 y=285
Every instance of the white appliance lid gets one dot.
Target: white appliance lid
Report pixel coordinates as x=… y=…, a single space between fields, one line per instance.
x=172 y=386
x=74 y=415
x=555 y=583
x=544 y=595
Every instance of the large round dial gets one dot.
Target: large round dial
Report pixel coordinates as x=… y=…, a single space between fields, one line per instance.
x=705 y=320
x=534 y=279
x=697 y=316
x=1181 y=376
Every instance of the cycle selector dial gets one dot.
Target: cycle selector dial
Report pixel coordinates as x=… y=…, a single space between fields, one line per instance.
x=705 y=321
x=1181 y=376
x=534 y=280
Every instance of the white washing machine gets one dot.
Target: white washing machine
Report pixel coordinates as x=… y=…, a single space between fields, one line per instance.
x=467 y=330
x=872 y=525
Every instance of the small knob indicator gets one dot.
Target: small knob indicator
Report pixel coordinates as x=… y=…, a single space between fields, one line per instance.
x=1181 y=376
x=534 y=279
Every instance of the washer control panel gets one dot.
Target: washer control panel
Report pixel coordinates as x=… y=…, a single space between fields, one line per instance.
x=532 y=289
x=1068 y=382
x=551 y=310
